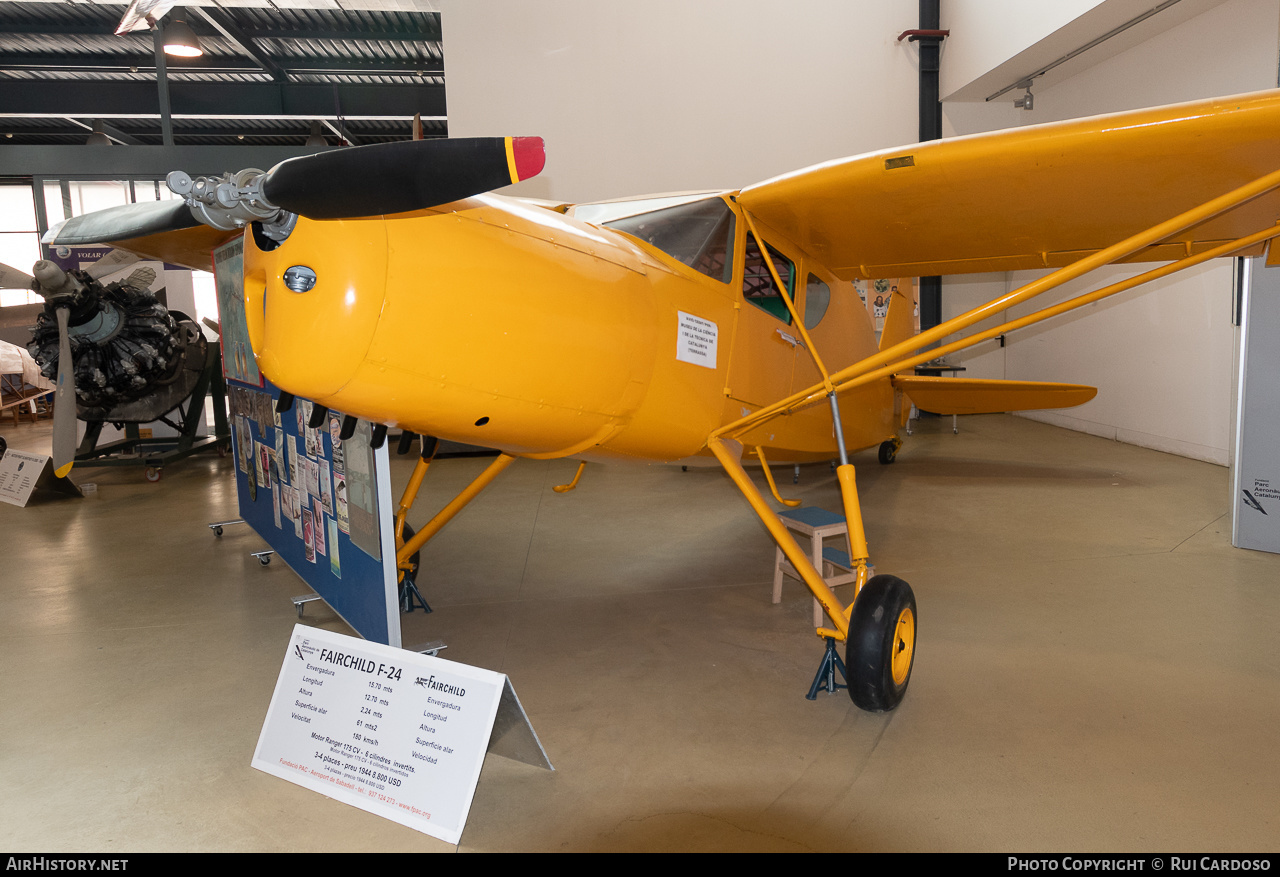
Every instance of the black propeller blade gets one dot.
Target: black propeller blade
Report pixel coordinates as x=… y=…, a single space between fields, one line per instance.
x=122 y=223
x=401 y=176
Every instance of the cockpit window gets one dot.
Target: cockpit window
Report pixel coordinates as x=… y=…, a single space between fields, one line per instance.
x=757 y=281
x=699 y=234
x=817 y=296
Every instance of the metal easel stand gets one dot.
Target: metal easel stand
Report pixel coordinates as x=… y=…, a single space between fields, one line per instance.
x=217 y=526
x=825 y=680
x=264 y=557
x=410 y=597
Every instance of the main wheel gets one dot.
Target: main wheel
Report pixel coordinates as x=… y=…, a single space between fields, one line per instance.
x=881 y=647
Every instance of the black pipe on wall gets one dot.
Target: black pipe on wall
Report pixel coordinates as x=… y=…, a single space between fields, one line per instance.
x=930 y=129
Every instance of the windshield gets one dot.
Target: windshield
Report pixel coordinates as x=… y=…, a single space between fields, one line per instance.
x=699 y=234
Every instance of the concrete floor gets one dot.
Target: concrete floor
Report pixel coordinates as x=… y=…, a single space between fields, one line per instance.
x=1097 y=668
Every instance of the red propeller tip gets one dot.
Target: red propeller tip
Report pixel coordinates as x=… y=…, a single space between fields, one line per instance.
x=530 y=156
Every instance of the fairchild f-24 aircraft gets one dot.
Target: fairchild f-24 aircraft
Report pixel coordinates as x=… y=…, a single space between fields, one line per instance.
x=388 y=283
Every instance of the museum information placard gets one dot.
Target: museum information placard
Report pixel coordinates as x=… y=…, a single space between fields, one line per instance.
x=21 y=474
x=397 y=733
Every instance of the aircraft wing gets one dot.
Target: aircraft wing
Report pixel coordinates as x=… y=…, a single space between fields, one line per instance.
x=1033 y=197
x=190 y=247
x=165 y=231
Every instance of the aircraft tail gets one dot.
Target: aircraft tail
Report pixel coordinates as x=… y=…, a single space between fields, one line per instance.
x=971 y=396
x=900 y=320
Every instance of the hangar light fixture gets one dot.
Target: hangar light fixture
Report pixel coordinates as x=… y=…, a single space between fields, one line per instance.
x=180 y=40
x=98 y=137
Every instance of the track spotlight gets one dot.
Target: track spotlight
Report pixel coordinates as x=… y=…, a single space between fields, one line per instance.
x=1026 y=101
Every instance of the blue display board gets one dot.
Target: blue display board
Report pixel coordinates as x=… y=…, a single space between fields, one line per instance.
x=321 y=503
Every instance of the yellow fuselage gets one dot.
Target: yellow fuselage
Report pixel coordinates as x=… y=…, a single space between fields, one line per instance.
x=496 y=323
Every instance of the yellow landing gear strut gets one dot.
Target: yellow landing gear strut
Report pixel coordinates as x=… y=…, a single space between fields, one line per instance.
x=408 y=543
x=878 y=628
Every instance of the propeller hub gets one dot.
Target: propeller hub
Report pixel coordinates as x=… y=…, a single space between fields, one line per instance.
x=225 y=202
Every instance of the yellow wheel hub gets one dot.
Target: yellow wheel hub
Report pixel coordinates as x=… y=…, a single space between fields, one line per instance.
x=904 y=646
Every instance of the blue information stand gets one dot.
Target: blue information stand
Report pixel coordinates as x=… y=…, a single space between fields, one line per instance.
x=325 y=514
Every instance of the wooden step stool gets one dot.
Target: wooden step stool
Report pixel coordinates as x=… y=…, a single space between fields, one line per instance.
x=833 y=564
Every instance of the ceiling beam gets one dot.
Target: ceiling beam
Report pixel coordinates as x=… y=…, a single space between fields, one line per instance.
x=139 y=162
x=339 y=127
x=44 y=98
x=428 y=33
x=110 y=130
x=25 y=62
x=241 y=41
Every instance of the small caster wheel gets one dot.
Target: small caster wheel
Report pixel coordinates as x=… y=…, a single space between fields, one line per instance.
x=684 y=468
x=222 y=450
x=264 y=560
x=153 y=474
x=217 y=531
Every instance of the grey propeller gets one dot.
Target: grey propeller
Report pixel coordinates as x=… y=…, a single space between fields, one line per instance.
x=12 y=278
x=64 y=403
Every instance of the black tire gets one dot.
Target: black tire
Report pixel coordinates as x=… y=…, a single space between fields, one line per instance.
x=880 y=650
x=888 y=452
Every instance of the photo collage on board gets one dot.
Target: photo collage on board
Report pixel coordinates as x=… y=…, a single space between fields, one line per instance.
x=303 y=474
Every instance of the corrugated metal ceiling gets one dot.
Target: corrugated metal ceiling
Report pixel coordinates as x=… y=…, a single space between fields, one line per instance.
x=269 y=68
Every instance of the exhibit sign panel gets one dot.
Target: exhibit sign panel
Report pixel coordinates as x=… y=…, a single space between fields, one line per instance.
x=399 y=734
x=1256 y=465
x=21 y=474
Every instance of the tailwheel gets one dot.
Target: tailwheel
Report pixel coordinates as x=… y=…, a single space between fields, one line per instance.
x=889 y=450
x=881 y=645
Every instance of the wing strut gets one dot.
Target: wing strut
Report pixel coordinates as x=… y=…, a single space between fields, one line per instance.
x=724 y=444
x=898 y=356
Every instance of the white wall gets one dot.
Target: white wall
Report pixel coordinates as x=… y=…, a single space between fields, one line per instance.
x=670 y=95
x=986 y=33
x=1162 y=361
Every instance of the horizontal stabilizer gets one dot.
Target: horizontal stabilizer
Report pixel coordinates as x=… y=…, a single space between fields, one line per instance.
x=971 y=396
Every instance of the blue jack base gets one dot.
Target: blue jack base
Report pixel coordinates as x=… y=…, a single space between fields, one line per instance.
x=825 y=680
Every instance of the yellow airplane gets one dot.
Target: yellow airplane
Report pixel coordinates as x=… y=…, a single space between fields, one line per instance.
x=387 y=283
